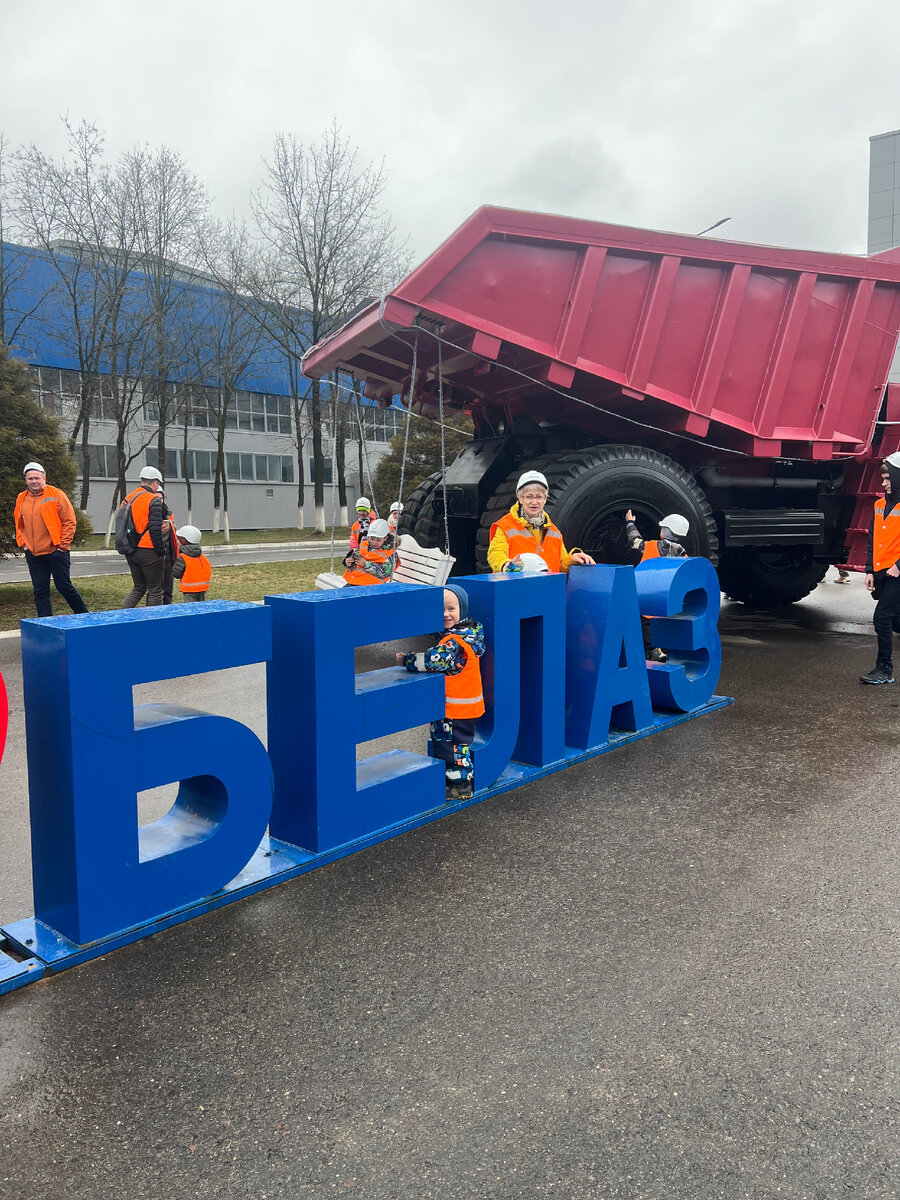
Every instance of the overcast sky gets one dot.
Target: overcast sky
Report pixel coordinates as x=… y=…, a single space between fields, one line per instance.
x=668 y=114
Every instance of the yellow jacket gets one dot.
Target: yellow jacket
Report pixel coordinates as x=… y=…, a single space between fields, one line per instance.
x=498 y=550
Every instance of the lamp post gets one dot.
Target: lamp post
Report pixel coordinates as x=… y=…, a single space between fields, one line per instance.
x=712 y=227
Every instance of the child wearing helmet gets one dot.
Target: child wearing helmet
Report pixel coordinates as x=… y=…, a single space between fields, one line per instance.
x=373 y=561
x=671 y=528
x=365 y=515
x=455 y=656
x=527 y=531
x=191 y=568
x=394 y=516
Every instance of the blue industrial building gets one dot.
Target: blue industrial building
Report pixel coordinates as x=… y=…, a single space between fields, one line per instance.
x=221 y=364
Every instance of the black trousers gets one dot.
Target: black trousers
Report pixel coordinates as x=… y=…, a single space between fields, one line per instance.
x=147 y=571
x=58 y=564
x=886 y=617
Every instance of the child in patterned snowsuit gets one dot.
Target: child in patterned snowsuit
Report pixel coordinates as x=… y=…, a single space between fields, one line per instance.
x=456 y=657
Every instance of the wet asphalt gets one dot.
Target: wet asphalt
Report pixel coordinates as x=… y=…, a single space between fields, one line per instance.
x=670 y=972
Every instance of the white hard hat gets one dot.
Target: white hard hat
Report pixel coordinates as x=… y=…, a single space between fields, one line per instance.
x=678 y=524
x=396 y=506
x=190 y=533
x=363 y=502
x=892 y=460
x=150 y=473
x=533 y=564
x=532 y=477
x=379 y=528
x=32 y=466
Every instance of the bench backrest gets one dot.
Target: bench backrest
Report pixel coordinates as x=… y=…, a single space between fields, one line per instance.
x=416 y=564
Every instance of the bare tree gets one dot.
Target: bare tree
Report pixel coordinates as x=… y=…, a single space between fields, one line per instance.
x=329 y=246
x=13 y=264
x=226 y=339
x=79 y=212
x=171 y=206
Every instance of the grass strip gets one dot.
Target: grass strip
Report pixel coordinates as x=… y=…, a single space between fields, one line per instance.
x=102 y=593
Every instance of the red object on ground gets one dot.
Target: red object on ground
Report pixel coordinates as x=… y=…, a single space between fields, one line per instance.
x=4 y=715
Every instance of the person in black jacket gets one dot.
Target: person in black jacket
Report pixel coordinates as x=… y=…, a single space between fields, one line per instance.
x=883 y=570
x=151 y=520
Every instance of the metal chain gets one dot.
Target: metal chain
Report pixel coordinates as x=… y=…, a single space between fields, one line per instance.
x=334 y=436
x=362 y=438
x=443 y=449
x=412 y=387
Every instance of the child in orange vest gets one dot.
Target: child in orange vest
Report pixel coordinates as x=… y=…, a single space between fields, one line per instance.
x=670 y=528
x=373 y=561
x=455 y=657
x=192 y=568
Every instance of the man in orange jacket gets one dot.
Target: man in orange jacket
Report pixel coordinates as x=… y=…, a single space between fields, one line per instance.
x=45 y=525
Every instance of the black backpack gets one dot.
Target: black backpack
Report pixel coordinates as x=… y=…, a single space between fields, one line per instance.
x=127 y=537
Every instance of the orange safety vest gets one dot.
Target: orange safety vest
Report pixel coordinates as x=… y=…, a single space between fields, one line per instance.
x=140 y=514
x=465 y=697
x=885 y=536
x=356 y=529
x=651 y=550
x=49 y=511
x=522 y=541
x=360 y=578
x=197 y=573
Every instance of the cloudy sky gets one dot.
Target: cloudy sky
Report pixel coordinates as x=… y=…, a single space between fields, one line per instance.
x=668 y=114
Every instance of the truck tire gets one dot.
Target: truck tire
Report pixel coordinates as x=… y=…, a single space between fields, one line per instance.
x=427 y=526
x=590 y=491
x=769 y=576
x=415 y=507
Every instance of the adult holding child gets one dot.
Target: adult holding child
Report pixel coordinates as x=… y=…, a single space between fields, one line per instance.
x=527 y=529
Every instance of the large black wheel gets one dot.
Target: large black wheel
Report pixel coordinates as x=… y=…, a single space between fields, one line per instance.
x=414 y=507
x=768 y=576
x=423 y=518
x=590 y=491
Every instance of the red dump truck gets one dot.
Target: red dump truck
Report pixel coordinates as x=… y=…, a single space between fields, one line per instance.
x=741 y=385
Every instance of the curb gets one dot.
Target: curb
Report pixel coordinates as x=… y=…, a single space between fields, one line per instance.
x=325 y=547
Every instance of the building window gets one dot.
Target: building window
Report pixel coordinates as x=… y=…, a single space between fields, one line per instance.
x=239 y=467
x=151 y=401
x=327 y=472
x=105 y=406
x=101 y=462
x=381 y=424
x=201 y=465
x=151 y=458
x=263 y=468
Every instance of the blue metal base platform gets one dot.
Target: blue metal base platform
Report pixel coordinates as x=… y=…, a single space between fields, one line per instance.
x=14 y=973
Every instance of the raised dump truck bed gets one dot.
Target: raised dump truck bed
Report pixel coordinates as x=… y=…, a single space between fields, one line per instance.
x=738 y=384
x=779 y=352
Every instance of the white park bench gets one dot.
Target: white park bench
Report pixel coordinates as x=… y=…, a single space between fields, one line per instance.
x=415 y=564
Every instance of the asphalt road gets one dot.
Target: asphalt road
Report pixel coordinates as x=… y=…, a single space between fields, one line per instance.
x=84 y=563
x=671 y=972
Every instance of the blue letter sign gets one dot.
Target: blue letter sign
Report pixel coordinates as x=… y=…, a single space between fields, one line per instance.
x=565 y=678
x=90 y=753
